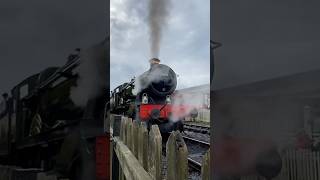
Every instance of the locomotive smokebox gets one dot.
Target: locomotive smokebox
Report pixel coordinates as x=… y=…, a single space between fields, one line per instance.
x=160 y=80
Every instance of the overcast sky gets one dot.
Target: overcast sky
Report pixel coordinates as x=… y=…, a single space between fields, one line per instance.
x=264 y=39
x=261 y=39
x=35 y=34
x=184 y=47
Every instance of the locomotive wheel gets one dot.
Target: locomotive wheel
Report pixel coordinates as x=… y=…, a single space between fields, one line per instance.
x=179 y=126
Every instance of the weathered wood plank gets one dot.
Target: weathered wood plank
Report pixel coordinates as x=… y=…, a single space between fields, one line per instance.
x=154 y=154
x=171 y=156
x=143 y=139
x=182 y=158
x=177 y=157
x=135 y=143
x=124 y=122
x=116 y=124
x=131 y=167
x=124 y=129
x=129 y=134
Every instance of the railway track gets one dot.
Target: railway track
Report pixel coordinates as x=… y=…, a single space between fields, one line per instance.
x=194 y=164
x=201 y=143
x=197 y=149
x=197 y=128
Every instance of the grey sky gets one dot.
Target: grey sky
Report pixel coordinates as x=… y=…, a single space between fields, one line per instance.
x=36 y=34
x=264 y=39
x=184 y=47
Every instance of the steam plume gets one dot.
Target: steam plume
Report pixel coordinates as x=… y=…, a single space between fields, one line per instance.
x=157 y=19
x=92 y=73
x=191 y=102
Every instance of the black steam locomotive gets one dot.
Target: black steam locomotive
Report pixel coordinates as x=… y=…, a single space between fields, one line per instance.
x=41 y=126
x=148 y=98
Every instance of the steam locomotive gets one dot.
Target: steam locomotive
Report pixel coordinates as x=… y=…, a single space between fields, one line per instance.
x=41 y=126
x=149 y=99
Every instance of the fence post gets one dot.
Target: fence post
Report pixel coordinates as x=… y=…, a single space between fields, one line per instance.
x=177 y=157
x=124 y=129
x=116 y=124
x=143 y=146
x=205 y=168
x=129 y=134
x=135 y=144
x=154 y=154
x=123 y=137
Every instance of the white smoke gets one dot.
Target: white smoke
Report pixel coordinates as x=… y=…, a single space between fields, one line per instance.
x=144 y=80
x=137 y=87
x=92 y=73
x=189 y=101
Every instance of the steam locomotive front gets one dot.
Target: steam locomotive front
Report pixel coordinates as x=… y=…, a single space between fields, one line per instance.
x=153 y=100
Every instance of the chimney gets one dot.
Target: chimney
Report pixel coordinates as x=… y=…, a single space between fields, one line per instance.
x=154 y=61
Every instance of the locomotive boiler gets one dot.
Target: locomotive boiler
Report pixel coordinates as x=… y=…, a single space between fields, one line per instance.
x=149 y=98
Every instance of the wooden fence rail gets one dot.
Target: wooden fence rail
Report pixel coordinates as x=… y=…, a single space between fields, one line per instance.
x=139 y=154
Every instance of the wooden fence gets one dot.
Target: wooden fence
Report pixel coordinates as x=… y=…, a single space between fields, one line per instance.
x=138 y=154
x=297 y=165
